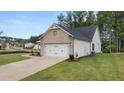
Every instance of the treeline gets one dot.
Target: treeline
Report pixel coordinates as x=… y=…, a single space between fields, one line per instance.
x=34 y=39
x=110 y=23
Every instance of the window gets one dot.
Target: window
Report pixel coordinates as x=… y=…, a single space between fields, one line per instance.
x=54 y=33
x=93 y=47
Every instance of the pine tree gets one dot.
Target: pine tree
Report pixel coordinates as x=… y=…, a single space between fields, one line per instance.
x=90 y=19
x=69 y=19
x=61 y=19
x=78 y=17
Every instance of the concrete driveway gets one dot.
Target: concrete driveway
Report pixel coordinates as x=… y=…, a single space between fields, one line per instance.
x=19 y=70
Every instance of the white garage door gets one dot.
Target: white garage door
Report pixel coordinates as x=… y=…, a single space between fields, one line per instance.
x=56 y=50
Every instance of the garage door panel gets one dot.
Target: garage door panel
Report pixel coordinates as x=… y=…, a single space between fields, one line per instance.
x=57 y=50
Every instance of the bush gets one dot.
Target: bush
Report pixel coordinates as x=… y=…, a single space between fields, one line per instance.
x=13 y=52
x=71 y=57
x=122 y=49
x=92 y=53
x=107 y=49
x=35 y=53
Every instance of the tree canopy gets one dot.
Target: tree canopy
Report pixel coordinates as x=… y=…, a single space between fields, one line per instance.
x=110 y=23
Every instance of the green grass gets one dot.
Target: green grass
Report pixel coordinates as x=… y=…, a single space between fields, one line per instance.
x=99 y=67
x=9 y=58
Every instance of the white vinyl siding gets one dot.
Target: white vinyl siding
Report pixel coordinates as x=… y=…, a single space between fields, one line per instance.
x=96 y=41
x=81 y=48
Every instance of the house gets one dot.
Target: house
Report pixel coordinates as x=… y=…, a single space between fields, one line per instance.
x=2 y=44
x=7 y=46
x=62 y=41
x=29 y=45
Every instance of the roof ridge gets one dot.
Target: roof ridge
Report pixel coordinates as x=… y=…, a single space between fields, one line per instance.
x=85 y=26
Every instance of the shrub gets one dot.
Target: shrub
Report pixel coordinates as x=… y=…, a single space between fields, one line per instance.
x=122 y=49
x=92 y=53
x=71 y=57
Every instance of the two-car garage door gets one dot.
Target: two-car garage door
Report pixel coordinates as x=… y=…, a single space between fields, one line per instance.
x=61 y=50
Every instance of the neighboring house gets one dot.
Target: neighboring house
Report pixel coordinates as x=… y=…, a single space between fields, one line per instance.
x=2 y=44
x=7 y=46
x=63 y=41
x=10 y=45
x=29 y=45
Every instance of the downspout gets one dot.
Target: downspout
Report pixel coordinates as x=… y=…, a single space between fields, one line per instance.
x=71 y=45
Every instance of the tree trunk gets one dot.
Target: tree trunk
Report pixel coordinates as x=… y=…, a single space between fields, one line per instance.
x=110 y=43
x=119 y=45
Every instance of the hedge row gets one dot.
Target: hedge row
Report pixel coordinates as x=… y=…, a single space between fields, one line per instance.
x=13 y=52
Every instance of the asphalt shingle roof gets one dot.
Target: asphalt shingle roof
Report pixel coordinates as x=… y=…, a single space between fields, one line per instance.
x=83 y=33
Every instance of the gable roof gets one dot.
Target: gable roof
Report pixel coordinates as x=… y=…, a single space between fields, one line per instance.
x=83 y=33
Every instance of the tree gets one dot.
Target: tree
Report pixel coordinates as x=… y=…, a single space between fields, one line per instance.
x=119 y=28
x=61 y=19
x=90 y=19
x=105 y=23
x=34 y=39
x=78 y=17
x=111 y=22
x=69 y=19
x=1 y=32
x=74 y=19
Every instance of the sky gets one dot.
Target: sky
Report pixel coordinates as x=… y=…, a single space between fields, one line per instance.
x=26 y=24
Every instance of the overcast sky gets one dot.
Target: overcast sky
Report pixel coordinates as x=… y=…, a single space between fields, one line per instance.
x=25 y=24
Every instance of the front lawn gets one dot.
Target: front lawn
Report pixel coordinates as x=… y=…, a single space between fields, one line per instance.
x=99 y=67
x=9 y=58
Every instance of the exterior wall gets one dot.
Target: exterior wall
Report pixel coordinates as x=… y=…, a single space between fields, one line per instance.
x=60 y=38
x=82 y=48
x=97 y=42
